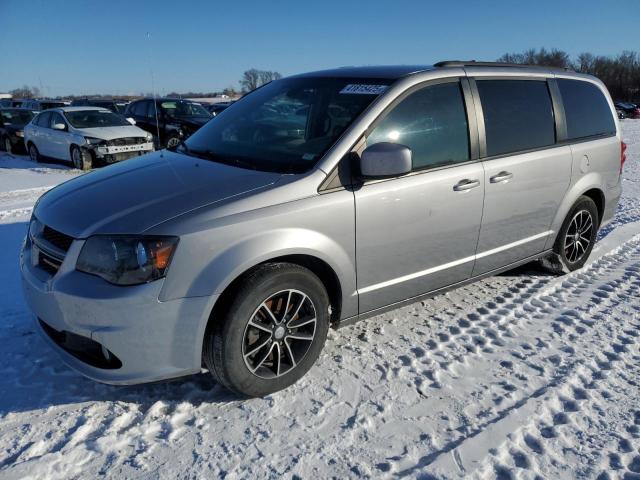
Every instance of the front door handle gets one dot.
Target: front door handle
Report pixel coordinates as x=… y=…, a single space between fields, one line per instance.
x=465 y=185
x=501 y=177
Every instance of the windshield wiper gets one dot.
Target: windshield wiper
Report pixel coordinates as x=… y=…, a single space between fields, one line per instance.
x=215 y=157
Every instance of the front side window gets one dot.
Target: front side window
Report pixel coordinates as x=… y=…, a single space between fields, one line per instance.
x=43 y=119
x=586 y=109
x=518 y=115
x=56 y=118
x=95 y=119
x=432 y=122
x=287 y=125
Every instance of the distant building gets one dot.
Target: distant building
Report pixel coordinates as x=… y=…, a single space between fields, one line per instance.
x=5 y=96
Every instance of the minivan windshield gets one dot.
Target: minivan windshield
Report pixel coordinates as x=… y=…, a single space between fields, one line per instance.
x=95 y=119
x=287 y=125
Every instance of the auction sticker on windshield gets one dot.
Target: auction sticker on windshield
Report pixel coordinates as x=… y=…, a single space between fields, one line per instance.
x=362 y=89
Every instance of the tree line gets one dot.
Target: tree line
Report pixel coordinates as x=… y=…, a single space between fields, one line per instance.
x=620 y=73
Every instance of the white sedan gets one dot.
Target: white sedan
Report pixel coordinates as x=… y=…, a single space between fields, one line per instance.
x=85 y=136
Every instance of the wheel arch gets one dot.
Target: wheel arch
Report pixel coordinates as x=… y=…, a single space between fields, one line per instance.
x=590 y=186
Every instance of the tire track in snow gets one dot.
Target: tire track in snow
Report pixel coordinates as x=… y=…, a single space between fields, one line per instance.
x=537 y=307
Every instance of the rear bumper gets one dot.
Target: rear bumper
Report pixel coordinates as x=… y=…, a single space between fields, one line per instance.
x=81 y=316
x=612 y=198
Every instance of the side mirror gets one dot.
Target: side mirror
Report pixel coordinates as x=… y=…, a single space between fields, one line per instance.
x=59 y=126
x=131 y=121
x=385 y=159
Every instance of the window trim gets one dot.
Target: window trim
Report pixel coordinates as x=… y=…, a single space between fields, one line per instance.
x=559 y=121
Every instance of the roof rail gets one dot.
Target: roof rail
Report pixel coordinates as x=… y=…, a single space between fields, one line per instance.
x=474 y=63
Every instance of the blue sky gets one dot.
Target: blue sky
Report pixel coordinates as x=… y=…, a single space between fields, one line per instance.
x=81 y=47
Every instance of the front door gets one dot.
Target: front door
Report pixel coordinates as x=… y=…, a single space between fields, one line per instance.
x=526 y=173
x=418 y=233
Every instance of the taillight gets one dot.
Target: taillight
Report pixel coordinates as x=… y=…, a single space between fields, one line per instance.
x=623 y=154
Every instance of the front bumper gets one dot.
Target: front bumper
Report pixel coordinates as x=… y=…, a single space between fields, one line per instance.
x=152 y=340
x=121 y=152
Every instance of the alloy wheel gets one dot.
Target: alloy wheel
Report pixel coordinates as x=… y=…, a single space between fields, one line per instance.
x=578 y=237
x=7 y=145
x=279 y=334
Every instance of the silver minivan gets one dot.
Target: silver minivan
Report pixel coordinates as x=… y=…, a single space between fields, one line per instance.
x=314 y=201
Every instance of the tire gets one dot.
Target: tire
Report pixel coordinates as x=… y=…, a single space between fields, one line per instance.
x=6 y=145
x=571 y=250
x=81 y=158
x=240 y=348
x=34 y=154
x=173 y=141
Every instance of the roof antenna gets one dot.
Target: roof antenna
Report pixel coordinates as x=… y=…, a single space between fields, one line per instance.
x=153 y=88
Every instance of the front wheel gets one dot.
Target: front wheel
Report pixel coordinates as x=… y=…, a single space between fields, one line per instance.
x=81 y=158
x=273 y=331
x=34 y=154
x=576 y=238
x=173 y=141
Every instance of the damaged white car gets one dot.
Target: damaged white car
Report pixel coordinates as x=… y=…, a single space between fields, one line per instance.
x=85 y=136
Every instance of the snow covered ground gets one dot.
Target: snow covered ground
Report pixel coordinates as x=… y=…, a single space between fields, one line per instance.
x=524 y=375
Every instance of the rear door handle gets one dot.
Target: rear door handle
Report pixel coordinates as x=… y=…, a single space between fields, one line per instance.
x=465 y=185
x=501 y=177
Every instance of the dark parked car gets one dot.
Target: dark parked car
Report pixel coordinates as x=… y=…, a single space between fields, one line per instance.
x=12 y=122
x=116 y=106
x=173 y=119
x=43 y=104
x=215 y=108
x=630 y=110
x=11 y=102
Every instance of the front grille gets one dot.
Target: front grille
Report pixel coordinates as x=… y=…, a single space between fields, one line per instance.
x=48 y=263
x=57 y=239
x=119 y=142
x=50 y=248
x=83 y=348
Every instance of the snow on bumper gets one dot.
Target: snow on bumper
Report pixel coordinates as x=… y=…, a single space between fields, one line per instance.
x=154 y=340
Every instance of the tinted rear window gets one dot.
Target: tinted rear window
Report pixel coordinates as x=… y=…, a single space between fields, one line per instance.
x=518 y=115
x=586 y=109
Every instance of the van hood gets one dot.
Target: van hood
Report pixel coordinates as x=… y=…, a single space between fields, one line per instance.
x=135 y=195
x=110 y=133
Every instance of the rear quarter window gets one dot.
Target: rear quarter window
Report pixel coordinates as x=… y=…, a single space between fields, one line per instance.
x=586 y=109
x=518 y=115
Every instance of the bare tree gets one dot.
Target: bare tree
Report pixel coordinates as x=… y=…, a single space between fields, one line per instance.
x=250 y=80
x=253 y=78
x=25 y=92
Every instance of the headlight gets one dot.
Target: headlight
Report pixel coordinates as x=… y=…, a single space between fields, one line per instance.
x=124 y=260
x=94 y=141
x=19 y=133
x=149 y=137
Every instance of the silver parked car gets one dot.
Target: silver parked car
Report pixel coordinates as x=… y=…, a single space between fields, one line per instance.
x=318 y=200
x=85 y=136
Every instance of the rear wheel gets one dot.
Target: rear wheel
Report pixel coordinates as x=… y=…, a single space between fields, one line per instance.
x=34 y=154
x=81 y=158
x=273 y=331
x=576 y=238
